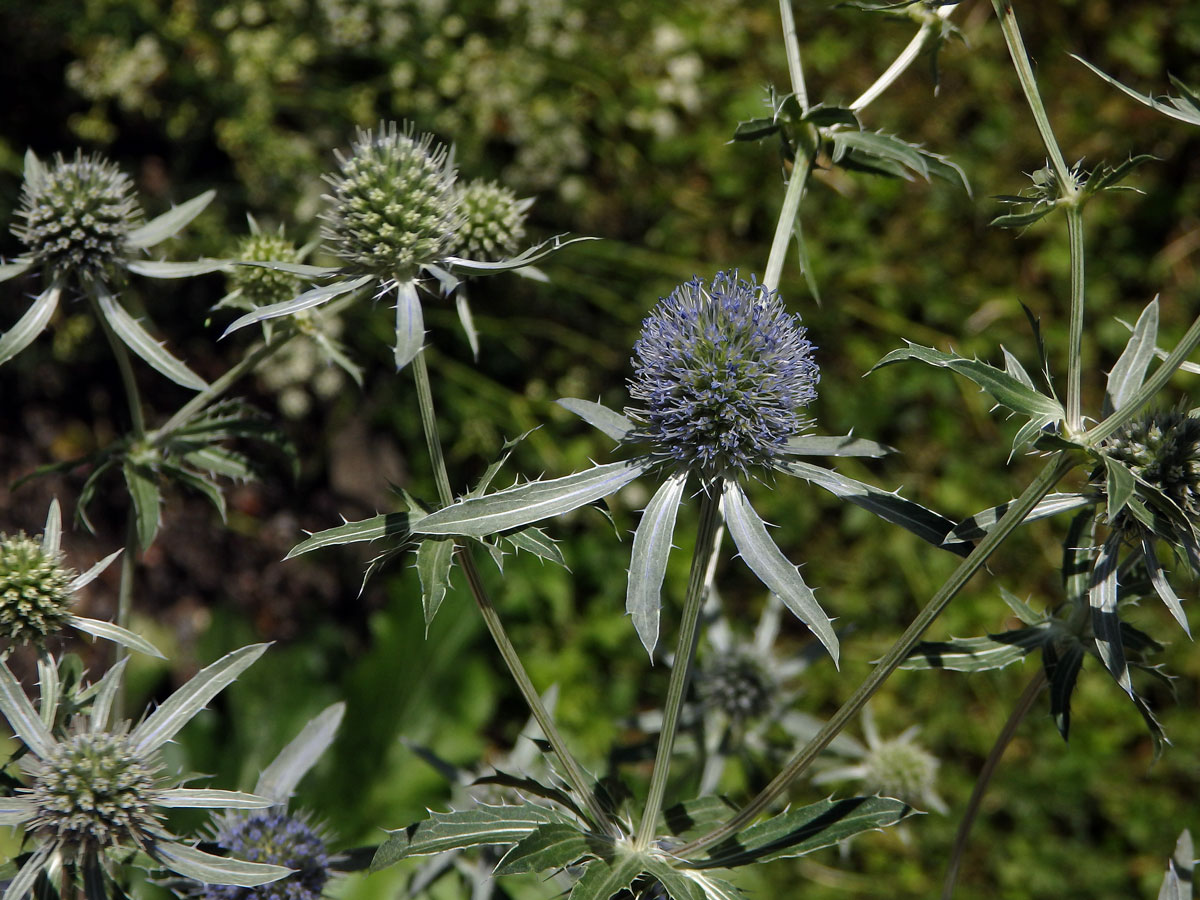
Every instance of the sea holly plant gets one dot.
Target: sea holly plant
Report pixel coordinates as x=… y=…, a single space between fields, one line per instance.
x=93 y=794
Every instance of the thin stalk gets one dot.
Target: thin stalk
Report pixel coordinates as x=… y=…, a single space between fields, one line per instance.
x=1075 y=339
x=201 y=401
x=133 y=397
x=901 y=63
x=1020 y=58
x=791 y=44
x=1059 y=465
x=125 y=600
x=574 y=772
x=685 y=650
x=787 y=216
x=1024 y=704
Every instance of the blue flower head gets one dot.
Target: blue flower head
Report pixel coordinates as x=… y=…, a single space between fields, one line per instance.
x=723 y=373
x=278 y=837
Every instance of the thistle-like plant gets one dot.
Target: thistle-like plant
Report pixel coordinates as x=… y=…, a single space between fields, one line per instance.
x=101 y=786
x=492 y=221
x=37 y=590
x=82 y=230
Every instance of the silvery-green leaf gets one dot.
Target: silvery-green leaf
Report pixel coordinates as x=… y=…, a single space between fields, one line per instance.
x=210 y=798
x=209 y=869
x=52 y=534
x=648 y=562
x=50 y=688
x=31 y=324
x=525 y=504
x=198 y=483
x=34 y=171
x=13 y=269
x=1178 y=883
x=485 y=480
x=178 y=709
x=278 y=780
x=434 y=560
x=1173 y=885
x=219 y=461
x=310 y=298
x=410 y=326
x=1078 y=553
x=533 y=273
x=615 y=425
x=137 y=339
x=147 y=501
x=677 y=885
x=835 y=445
x=1020 y=220
x=553 y=846
x=993 y=651
x=86 y=578
x=114 y=633
x=715 y=888
x=805 y=829
x=1130 y=369
x=372 y=529
x=169 y=223
x=774 y=569
x=525 y=258
x=1020 y=608
x=157 y=268
x=978 y=525
x=693 y=818
x=304 y=271
x=1013 y=367
x=924 y=523
x=16 y=810
x=1004 y=388
x=478 y=826
x=534 y=540
x=23 y=719
x=1162 y=587
x=468 y=322
x=603 y=880
x=1062 y=669
x=22 y=885
x=1106 y=626
x=1121 y=483
x=1106 y=177
x=1183 y=109
x=107 y=689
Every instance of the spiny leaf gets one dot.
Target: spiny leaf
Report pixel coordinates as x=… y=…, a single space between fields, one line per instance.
x=372 y=529
x=979 y=654
x=648 y=561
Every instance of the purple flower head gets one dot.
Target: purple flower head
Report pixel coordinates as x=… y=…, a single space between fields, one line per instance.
x=278 y=837
x=722 y=372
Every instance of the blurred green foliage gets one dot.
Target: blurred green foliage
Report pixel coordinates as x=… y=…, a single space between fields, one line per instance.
x=616 y=115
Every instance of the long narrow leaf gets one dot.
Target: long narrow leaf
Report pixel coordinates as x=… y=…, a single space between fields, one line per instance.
x=22 y=885
x=648 y=561
x=30 y=325
x=310 y=298
x=615 y=425
x=410 y=326
x=835 y=445
x=434 y=559
x=13 y=269
x=554 y=846
x=209 y=798
x=1062 y=669
x=209 y=869
x=1162 y=587
x=372 y=529
x=147 y=501
x=23 y=719
x=525 y=504
x=1183 y=110
x=278 y=780
x=84 y=579
x=115 y=633
x=479 y=826
x=978 y=525
x=980 y=654
x=137 y=339
x=1130 y=369
x=158 y=268
x=169 y=223
x=107 y=689
x=773 y=568
x=1106 y=625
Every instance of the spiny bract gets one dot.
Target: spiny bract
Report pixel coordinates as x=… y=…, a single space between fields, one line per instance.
x=77 y=215
x=723 y=372
x=278 y=837
x=493 y=222
x=394 y=204
x=35 y=590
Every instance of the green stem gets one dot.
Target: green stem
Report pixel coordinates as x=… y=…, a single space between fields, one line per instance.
x=210 y=394
x=574 y=772
x=901 y=63
x=787 y=216
x=1075 y=339
x=132 y=396
x=1024 y=704
x=685 y=649
x=792 y=46
x=1061 y=463
x=125 y=600
x=1020 y=58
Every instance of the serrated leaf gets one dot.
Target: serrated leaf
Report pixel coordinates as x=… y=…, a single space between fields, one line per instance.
x=693 y=818
x=803 y=830
x=924 y=523
x=156 y=268
x=603 y=880
x=209 y=869
x=774 y=569
x=386 y=525
x=1180 y=868
x=209 y=798
x=1020 y=220
x=309 y=299
x=534 y=540
x=529 y=786
x=434 y=560
x=137 y=339
x=1013 y=367
x=410 y=324
x=1078 y=554
x=835 y=445
x=1130 y=369
x=1020 y=608
x=1184 y=109
x=525 y=258
x=1106 y=626
x=178 y=709
x=1120 y=486
x=301 y=269
x=978 y=525
x=677 y=885
x=31 y=324
x=648 y=561
x=147 y=501
x=479 y=826
x=200 y=484
x=755 y=129
x=825 y=116
x=554 y=846
x=279 y=779
x=979 y=654
x=1108 y=177
x=22 y=718
x=1005 y=389
x=1162 y=587
x=1062 y=669
x=525 y=504
x=107 y=689
x=115 y=633
x=615 y=425
x=219 y=461
x=169 y=223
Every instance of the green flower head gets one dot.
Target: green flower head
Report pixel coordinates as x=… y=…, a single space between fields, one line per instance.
x=1162 y=449
x=258 y=285
x=493 y=222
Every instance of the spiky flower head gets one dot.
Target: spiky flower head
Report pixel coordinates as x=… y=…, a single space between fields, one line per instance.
x=736 y=684
x=278 y=837
x=35 y=590
x=722 y=372
x=93 y=791
x=1162 y=449
x=493 y=222
x=77 y=215
x=258 y=285
x=394 y=205
x=903 y=769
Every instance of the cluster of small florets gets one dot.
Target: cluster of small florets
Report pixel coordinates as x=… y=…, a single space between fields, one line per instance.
x=722 y=372
x=736 y=685
x=278 y=837
x=394 y=204
x=77 y=215
x=94 y=790
x=35 y=590
x=902 y=769
x=493 y=222
x=1163 y=450
x=259 y=285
